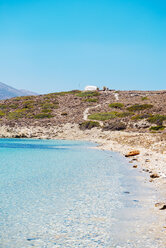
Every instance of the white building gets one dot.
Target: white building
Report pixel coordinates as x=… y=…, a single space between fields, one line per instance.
x=90 y=88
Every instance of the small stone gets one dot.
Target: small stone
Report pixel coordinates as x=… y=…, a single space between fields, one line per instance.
x=147 y=160
x=132 y=153
x=135 y=166
x=151 y=180
x=163 y=207
x=154 y=175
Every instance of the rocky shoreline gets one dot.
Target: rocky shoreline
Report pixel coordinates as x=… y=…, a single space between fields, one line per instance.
x=150 y=156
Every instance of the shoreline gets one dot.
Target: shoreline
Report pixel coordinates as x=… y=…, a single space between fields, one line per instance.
x=152 y=157
x=120 y=141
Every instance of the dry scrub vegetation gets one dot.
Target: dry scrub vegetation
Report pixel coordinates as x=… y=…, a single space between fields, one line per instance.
x=142 y=111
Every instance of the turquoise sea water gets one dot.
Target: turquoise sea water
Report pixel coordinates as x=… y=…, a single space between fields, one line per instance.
x=65 y=194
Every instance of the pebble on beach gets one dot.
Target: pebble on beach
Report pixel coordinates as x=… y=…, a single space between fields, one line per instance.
x=154 y=175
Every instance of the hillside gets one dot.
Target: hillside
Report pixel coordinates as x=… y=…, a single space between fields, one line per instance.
x=142 y=111
x=7 y=91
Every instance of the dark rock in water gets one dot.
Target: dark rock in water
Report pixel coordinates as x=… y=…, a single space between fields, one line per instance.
x=114 y=126
x=135 y=166
x=31 y=239
x=126 y=192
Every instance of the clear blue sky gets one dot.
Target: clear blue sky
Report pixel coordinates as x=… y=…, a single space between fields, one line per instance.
x=53 y=45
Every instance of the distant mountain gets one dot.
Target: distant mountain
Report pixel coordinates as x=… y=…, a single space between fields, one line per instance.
x=28 y=93
x=7 y=92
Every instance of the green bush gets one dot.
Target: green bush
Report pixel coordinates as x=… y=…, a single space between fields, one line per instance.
x=26 y=97
x=63 y=93
x=3 y=106
x=60 y=93
x=21 y=98
x=139 y=107
x=103 y=116
x=88 y=125
x=29 y=104
x=49 y=106
x=144 y=98
x=46 y=110
x=117 y=105
x=157 y=119
x=156 y=128
x=124 y=114
x=73 y=91
x=16 y=99
x=90 y=100
x=49 y=100
x=108 y=115
x=19 y=113
x=88 y=94
x=13 y=106
x=2 y=114
x=50 y=96
x=43 y=115
x=140 y=117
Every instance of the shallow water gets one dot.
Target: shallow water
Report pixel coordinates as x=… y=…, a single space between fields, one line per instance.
x=64 y=194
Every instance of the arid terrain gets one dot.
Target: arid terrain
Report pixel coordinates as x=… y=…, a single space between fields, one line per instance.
x=142 y=111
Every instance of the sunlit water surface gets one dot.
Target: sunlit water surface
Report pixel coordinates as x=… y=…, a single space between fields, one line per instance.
x=65 y=194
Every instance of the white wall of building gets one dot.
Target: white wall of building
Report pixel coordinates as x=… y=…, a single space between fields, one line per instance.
x=90 y=88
